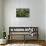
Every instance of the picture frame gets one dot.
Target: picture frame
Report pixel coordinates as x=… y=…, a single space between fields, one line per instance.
x=22 y=12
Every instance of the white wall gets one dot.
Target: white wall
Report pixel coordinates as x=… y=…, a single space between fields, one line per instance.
x=36 y=15
x=0 y=12
x=45 y=19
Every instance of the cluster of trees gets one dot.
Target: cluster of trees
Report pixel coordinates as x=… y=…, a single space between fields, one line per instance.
x=22 y=12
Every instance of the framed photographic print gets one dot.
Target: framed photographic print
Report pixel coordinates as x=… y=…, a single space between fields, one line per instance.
x=22 y=12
